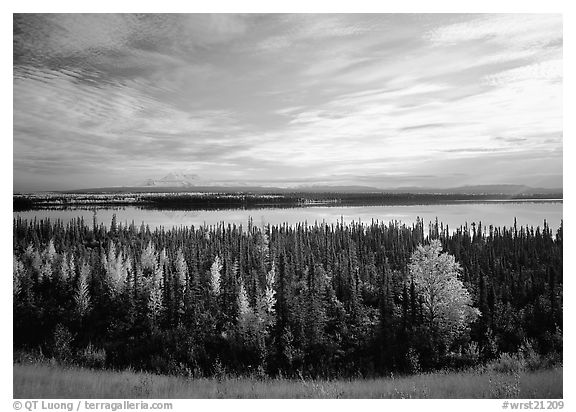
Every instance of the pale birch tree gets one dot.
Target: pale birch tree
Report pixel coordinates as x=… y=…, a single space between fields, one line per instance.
x=447 y=304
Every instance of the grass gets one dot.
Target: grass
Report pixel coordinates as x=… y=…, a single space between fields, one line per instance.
x=52 y=381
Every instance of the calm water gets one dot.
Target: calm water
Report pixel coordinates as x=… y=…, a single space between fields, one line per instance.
x=489 y=213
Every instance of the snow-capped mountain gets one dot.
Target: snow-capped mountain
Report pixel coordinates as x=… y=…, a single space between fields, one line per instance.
x=174 y=179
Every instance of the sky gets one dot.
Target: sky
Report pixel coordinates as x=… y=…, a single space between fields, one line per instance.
x=284 y=100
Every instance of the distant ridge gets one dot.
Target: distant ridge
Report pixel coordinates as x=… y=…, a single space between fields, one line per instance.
x=497 y=189
x=173 y=179
x=186 y=181
x=173 y=183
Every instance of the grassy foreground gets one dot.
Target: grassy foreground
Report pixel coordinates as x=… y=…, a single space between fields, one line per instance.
x=48 y=381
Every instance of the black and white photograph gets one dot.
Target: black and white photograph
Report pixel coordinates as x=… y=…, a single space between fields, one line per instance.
x=287 y=205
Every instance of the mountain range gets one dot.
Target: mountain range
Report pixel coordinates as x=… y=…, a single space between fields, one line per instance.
x=183 y=180
x=189 y=182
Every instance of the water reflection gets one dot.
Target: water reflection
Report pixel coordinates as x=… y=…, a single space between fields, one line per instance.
x=453 y=214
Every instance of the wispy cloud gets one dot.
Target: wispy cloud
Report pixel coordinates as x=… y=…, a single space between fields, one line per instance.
x=515 y=30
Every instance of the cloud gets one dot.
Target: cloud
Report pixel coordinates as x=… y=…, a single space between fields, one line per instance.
x=423 y=126
x=64 y=125
x=515 y=30
x=303 y=28
x=367 y=99
x=89 y=35
x=53 y=35
x=274 y=43
x=550 y=71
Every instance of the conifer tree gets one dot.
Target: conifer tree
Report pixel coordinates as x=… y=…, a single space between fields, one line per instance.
x=116 y=269
x=215 y=275
x=155 y=294
x=82 y=295
x=182 y=280
x=245 y=313
x=270 y=293
x=17 y=275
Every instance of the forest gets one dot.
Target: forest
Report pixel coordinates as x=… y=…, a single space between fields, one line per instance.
x=322 y=300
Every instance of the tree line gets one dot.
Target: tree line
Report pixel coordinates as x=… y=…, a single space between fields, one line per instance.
x=328 y=300
x=182 y=200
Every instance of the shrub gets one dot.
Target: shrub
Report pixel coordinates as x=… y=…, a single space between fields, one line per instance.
x=29 y=357
x=489 y=350
x=467 y=358
x=507 y=363
x=413 y=361
x=62 y=344
x=531 y=359
x=92 y=357
x=527 y=359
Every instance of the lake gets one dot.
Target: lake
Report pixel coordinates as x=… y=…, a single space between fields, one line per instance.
x=496 y=213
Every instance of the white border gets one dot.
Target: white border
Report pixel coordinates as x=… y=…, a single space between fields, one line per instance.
x=244 y=6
